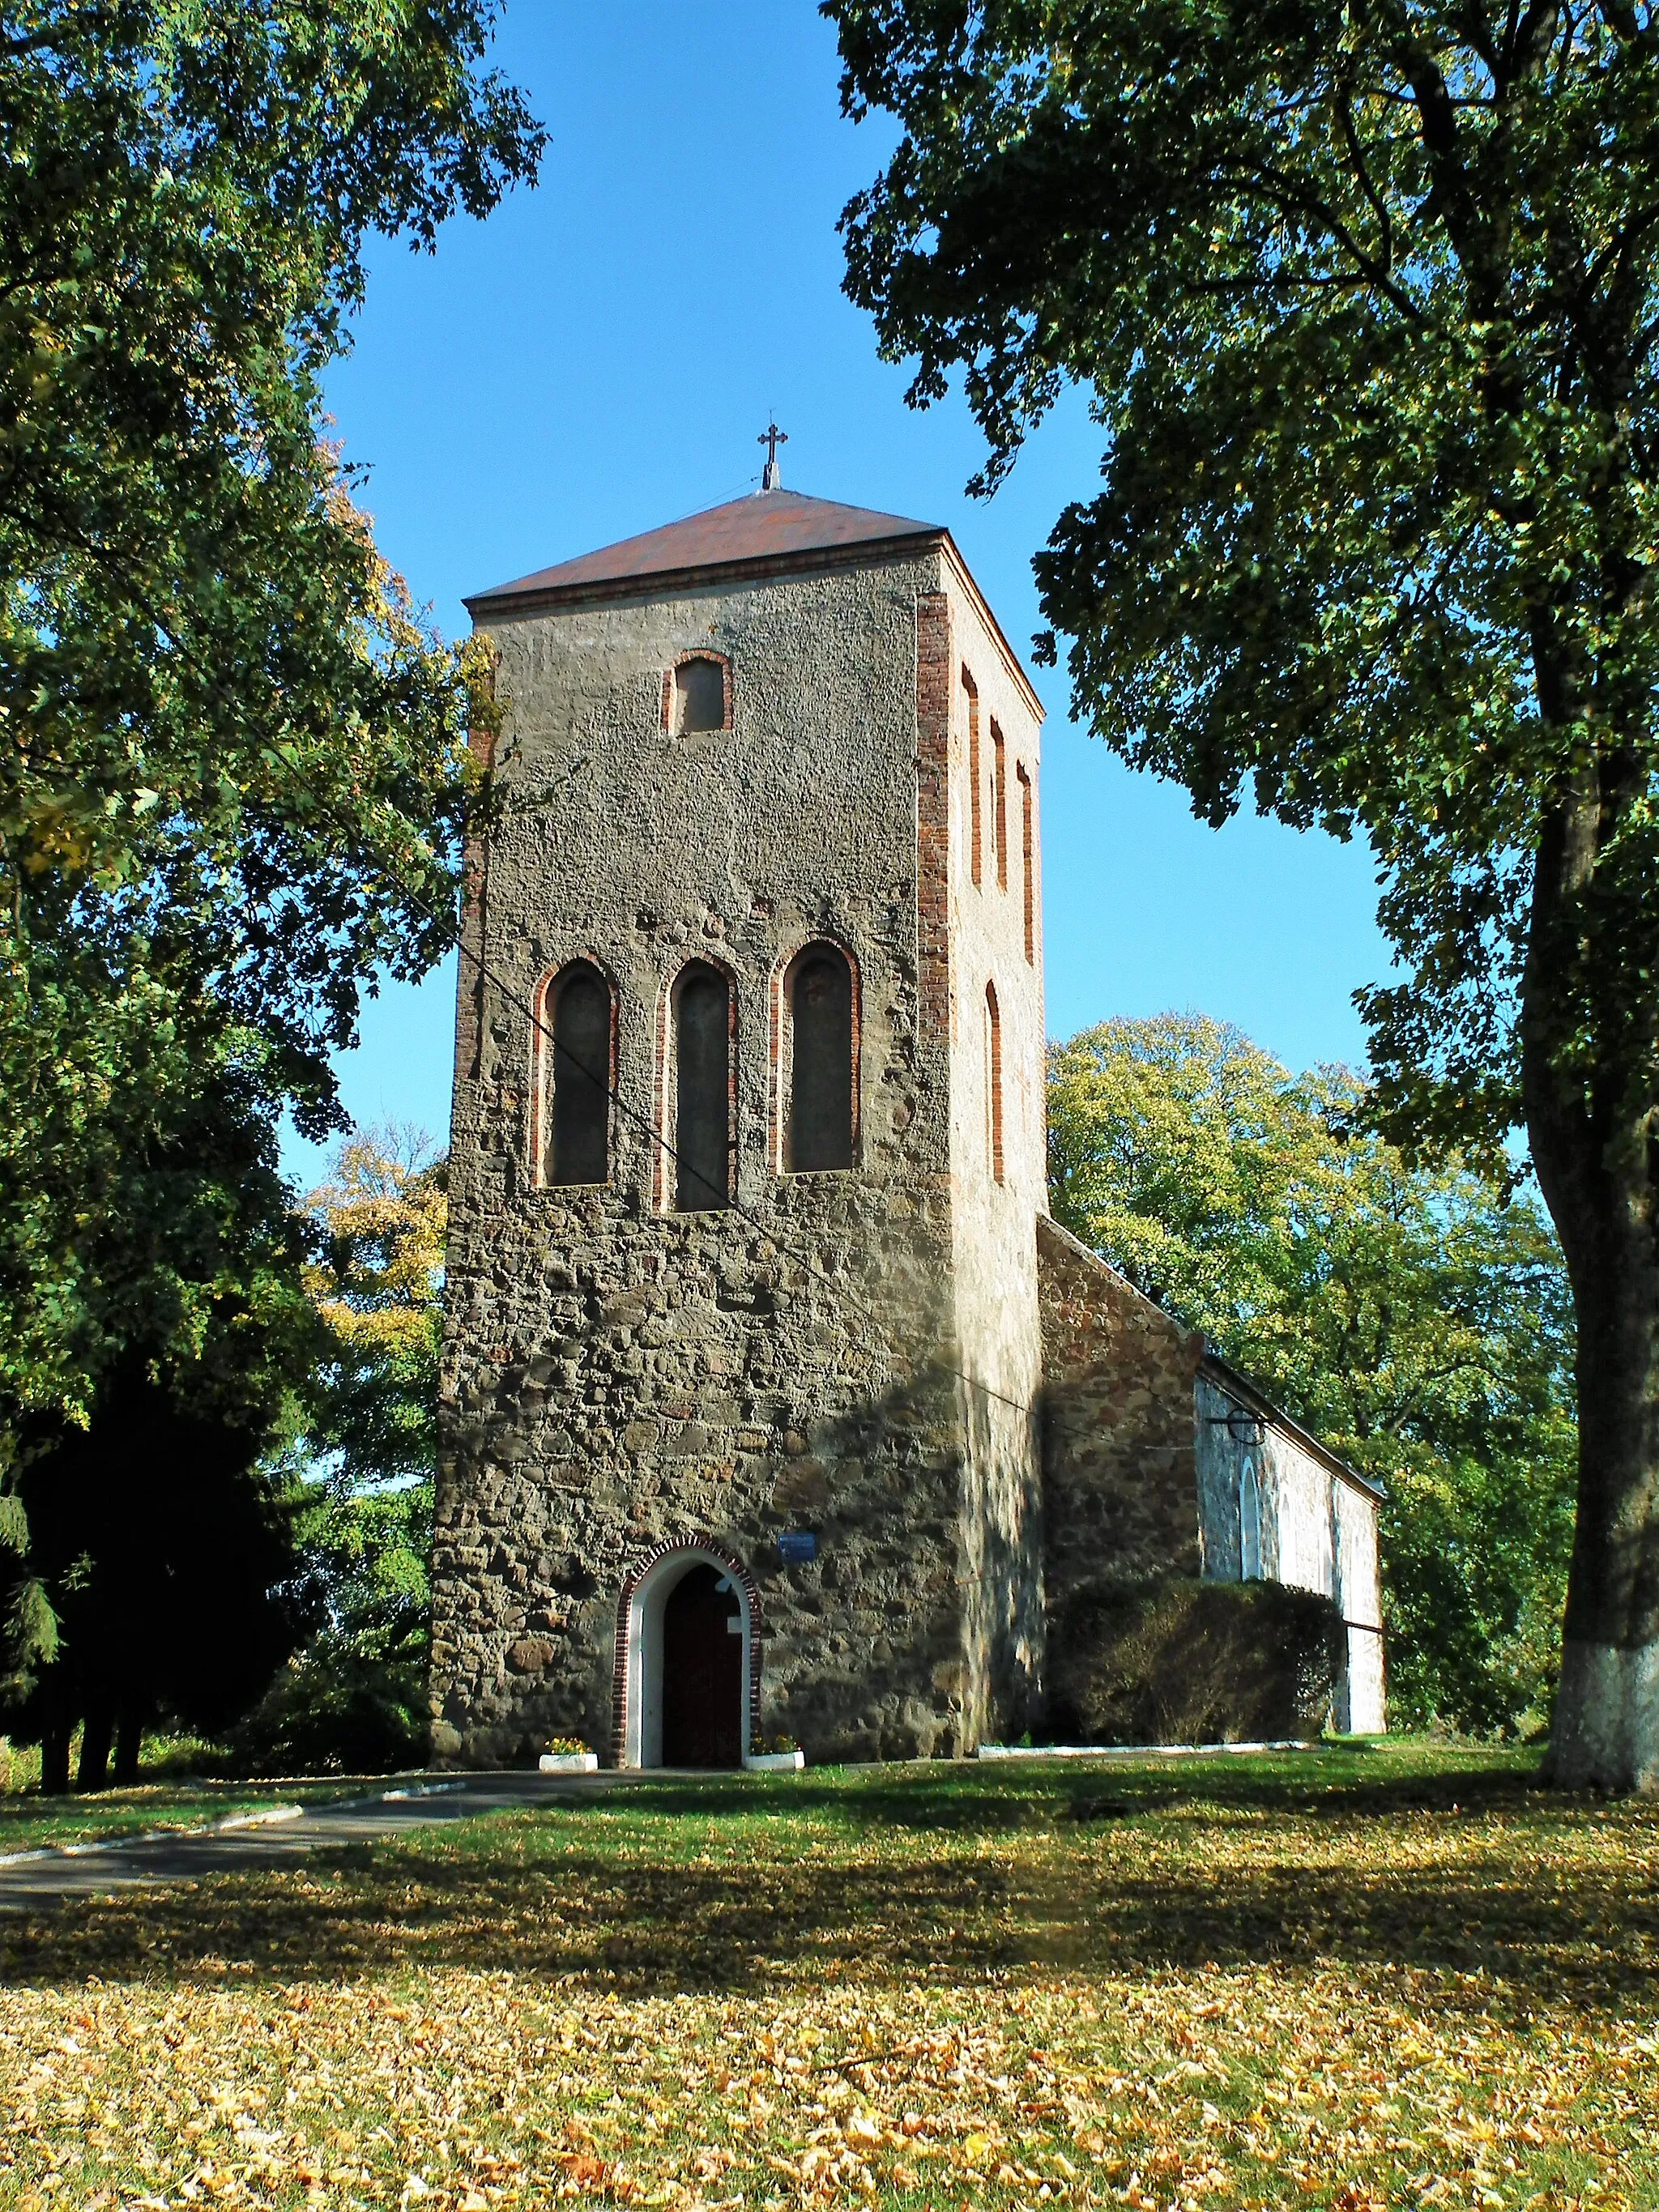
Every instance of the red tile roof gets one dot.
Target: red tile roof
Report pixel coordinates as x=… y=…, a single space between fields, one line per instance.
x=772 y=527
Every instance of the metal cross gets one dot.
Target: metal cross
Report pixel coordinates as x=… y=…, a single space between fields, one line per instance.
x=771 y=437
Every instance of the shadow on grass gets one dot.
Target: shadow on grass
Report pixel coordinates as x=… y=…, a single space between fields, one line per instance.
x=635 y=1892
x=968 y=1799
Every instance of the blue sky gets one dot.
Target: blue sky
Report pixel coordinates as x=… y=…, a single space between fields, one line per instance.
x=599 y=356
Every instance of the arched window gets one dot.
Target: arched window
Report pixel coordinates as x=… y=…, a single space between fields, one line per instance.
x=703 y=1090
x=578 y=1112
x=993 y=1080
x=1250 y=1524
x=818 y=1127
x=698 y=698
x=970 y=695
x=1027 y=853
x=999 y=803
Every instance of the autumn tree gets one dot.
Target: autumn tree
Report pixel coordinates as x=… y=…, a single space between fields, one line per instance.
x=1366 y=297
x=364 y=1455
x=1416 y=1318
x=232 y=754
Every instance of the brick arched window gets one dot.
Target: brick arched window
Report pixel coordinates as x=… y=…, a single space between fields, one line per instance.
x=576 y=1113
x=821 y=1113
x=1028 y=859
x=703 y=1015
x=999 y=803
x=970 y=699
x=697 y=694
x=993 y=1080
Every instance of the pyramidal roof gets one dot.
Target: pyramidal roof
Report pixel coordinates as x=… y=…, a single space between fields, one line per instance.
x=769 y=529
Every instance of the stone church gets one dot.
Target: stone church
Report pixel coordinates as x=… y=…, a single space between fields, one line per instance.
x=774 y=1402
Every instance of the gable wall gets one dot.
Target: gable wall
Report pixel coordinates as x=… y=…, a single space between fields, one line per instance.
x=1318 y=1533
x=1118 y=1464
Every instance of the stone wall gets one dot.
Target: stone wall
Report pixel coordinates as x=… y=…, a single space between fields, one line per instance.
x=1118 y=1463
x=618 y=1377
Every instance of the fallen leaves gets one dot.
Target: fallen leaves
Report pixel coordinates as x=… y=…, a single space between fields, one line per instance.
x=915 y=1988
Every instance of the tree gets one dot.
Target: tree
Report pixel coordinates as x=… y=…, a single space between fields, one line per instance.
x=1365 y=297
x=355 y=1696
x=234 y=758
x=1419 y=1321
x=159 y=1556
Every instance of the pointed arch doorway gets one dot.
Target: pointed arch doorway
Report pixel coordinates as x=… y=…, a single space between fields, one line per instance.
x=688 y=1625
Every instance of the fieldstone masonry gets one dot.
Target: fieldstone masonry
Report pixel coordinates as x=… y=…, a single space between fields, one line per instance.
x=851 y=1361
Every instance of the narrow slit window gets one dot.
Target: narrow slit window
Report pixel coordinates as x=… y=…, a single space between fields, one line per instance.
x=972 y=698
x=579 y=1112
x=819 y=1131
x=1026 y=855
x=703 y=1090
x=994 y=1081
x=699 y=702
x=999 y=805
x=1250 y=1524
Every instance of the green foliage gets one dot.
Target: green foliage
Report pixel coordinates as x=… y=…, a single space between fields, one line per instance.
x=235 y=761
x=1418 y=1320
x=1366 y=298
x=152 y=1571
x=1176 y=1661
x=355 y=1698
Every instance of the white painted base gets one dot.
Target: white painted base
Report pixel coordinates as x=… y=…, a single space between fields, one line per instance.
x=1604 y=1733
x=775 y=1762
x=570 y=1762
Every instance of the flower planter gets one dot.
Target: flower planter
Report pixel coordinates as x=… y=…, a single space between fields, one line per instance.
x=570 y=1762
x=775 y=1762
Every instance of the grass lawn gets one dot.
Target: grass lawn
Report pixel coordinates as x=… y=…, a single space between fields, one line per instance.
x=1353 y=1979
x=28 y=1823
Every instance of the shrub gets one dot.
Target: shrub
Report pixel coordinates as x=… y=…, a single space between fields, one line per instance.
x=1171 y=1661
x=333 y=1710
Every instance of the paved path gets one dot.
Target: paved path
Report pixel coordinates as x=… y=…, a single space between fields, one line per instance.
x=132 y=1862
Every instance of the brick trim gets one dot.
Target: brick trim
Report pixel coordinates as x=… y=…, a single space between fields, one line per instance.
x=698 y=1540
x=699 y=653
x=935 y=681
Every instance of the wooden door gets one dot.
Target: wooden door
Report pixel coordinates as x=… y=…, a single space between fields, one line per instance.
x=702 y=1673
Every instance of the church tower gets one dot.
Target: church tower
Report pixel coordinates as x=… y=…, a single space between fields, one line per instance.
x=743 y=1348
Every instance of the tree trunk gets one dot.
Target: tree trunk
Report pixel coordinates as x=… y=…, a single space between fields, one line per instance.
x=1591 y=1133
x=96 y=1733
x=1605 y=1730
x=55 y=1760
x=128 y=1744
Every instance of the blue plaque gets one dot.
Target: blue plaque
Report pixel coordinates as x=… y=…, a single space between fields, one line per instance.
x=796 y=1545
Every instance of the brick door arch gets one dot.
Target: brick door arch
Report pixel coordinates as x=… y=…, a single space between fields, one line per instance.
x=639 y=1609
